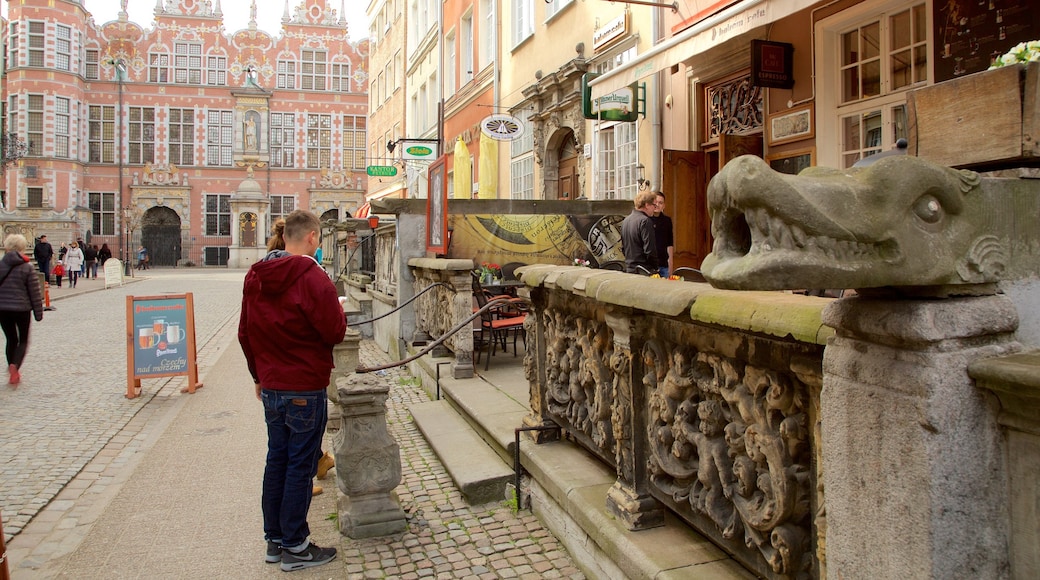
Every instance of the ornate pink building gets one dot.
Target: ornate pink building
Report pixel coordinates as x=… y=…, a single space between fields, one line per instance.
x=182 y=137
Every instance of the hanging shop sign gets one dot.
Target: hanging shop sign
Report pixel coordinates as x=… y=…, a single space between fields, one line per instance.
x=772 y=64
x=381 y=170
x=624 y=104
x=419 y=150
x=502 y=127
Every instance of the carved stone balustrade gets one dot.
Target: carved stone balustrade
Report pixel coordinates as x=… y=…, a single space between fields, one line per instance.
x=706 y=402
x=368 y=460
x=444 y=307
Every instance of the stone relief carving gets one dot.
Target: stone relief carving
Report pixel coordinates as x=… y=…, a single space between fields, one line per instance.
x=579 y=380
x=729 y=442
x=160 y=175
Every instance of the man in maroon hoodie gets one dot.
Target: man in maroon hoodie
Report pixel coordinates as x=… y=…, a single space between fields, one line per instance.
x=291 y=319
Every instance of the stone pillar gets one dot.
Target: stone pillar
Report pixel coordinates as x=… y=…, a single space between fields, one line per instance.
x=345 y=357
x=368 y=461
x=462 y=306
x=629 y=498
x=1015 y=380
x=535 y=371
x=913 y=466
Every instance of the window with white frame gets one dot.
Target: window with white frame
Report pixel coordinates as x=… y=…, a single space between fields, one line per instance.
x=158 y=67
x=521 y=165
x=61 y=127
x=37 y=35
x=62 y=47
x=554 y=6
x=12 y=113
x=283 y=139
x=35 y=124
x=486 y=36
x=319 y=141
x=466 y=48
x=141 y=133
x=313 y=69
x=281 y=206
x=400 y=71
x=523 y=20
x=220 y=135
x=216 y=70
x=388 y=89
x=91 y=62
x=218 y=215
x=103 y=213
x=187 y=63
x=181 y=137
x=286 y=74
x=12 y=46
x=423 y=120
x=449 y=64
x=354 y=138
x=341 y=77
x=873 y=58
x=618 y=155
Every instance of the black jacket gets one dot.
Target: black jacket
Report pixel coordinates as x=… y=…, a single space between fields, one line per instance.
x=43 y=252
x=20 y=290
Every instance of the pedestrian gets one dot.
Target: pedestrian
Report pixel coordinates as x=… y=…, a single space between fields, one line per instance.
x=59 y=271
x=83 y=248
x=43 y=252
x=104 y=254
x=663 y=237
x=290 y=321
x=73 y=263
x=276 y=249
x=637 y=236
x=90 y=259
x=62 y=251
x=142 y=258
x=20 y=295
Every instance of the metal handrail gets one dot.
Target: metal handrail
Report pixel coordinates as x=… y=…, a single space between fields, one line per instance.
x=490 y=305
x=406 y=303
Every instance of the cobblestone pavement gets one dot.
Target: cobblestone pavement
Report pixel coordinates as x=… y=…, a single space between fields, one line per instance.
x=71 y=401
x=175 y=492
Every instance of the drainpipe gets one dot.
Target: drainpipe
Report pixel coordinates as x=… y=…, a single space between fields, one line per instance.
x=657 y=139
x=120 y=77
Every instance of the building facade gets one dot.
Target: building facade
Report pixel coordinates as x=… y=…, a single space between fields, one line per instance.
x=387 y=98
x=181 y=137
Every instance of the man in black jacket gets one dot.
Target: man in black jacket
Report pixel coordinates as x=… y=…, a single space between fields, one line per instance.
x=43 y=252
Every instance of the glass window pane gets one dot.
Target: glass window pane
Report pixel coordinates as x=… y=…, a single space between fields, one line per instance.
x=900 y=69
x=850 y=84
x=920 y=64
x=871 y=41
x=872 y=79
x=849 y=48
x=899 y=30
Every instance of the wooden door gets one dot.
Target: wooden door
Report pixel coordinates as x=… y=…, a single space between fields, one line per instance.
x=568 y=181
x=733 y=146
x=685 y=184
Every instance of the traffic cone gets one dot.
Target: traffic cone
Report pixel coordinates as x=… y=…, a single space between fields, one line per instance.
x=47 y=296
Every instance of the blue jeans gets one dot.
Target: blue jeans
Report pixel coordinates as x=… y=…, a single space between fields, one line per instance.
x=295 y=425
x=663 y=271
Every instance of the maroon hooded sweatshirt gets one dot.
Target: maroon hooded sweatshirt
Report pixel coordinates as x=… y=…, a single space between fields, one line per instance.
x=291 y=319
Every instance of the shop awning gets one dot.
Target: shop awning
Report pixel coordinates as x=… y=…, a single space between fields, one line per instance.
x=362 y=212
x=713 y=31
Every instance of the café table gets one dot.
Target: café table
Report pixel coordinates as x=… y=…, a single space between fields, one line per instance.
x=503 y=287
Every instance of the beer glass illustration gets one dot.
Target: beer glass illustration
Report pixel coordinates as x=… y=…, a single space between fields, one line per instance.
x=159 y=326
x=146 y=337
x=174 y=333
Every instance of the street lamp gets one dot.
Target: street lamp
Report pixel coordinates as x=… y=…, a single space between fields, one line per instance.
x=120 y=65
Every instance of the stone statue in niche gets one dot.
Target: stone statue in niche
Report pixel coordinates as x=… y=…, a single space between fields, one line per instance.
x=250 y=128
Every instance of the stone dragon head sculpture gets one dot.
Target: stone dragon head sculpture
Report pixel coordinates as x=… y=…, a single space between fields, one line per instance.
x=901 y=222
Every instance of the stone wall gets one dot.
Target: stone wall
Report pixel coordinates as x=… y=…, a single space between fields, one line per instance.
x=445 y=306
x=705 y=402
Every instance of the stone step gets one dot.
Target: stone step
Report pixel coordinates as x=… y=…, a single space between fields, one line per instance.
x=476 y=469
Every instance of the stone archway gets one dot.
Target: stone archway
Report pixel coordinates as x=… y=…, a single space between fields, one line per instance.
x=161 y=236
x=560 y=164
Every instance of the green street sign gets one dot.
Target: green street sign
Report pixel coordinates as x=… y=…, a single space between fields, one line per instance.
x=381 y=170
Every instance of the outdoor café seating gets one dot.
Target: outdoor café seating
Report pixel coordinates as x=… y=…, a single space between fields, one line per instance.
x=498 y=322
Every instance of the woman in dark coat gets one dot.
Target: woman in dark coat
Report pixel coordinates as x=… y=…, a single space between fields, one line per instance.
x=20 y=296
x=104 y=254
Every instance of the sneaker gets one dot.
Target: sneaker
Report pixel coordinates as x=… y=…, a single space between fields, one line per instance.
x=316 y=490
x=325 y=463
x=309 y=557
x=274 y=552
x=16 y=377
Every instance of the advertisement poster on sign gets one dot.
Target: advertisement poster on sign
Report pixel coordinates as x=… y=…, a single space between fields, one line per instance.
x=161 y=339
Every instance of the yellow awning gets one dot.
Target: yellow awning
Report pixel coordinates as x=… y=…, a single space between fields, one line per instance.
x=463 y=177
x=488 y=168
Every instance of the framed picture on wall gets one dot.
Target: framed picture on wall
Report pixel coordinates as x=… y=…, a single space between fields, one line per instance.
x=437 y=208
x=792 y=161
x=793 y=125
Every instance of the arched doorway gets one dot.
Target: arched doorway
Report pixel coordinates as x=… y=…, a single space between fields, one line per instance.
x=161 y=236
x=561 y=166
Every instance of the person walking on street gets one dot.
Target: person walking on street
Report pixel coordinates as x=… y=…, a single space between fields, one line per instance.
x=291 y=319
x=43 y=252
x=637 y=236
x=73 y=263
x=663 y=236
x=104 y=254
x=20 y=295
x=90 y=260
x=62 y=251
x=83 y=248
x=142 y=258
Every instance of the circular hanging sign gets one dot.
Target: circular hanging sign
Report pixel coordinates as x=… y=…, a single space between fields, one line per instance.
x=502 y=127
